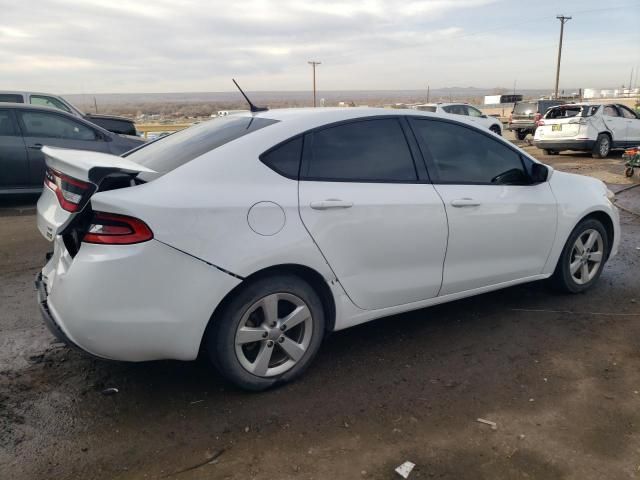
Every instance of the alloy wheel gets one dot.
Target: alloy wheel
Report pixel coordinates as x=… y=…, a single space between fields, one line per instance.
x=586 y=256
x=273 y=334
x=604 y=146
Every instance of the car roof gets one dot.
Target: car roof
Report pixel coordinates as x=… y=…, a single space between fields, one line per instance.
x=29 y=106
x=302 y=119
x=27 y=92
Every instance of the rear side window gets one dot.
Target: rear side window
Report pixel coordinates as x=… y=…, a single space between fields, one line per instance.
x=285 y=158
x=611 y=111
x=7 y=128
x=462 y=155
x=456 y=109
x=363 y=151
x=11 y=98
x=41 y=124
x=173 y=151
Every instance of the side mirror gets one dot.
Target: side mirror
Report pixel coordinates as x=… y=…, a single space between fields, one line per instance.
x=484 y=116
x=539 y=173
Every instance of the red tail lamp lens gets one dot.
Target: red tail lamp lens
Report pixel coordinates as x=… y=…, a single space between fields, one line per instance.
x=71 y=192
x=112 y=229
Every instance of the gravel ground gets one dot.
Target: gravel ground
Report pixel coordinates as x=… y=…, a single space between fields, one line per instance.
x=559 y=375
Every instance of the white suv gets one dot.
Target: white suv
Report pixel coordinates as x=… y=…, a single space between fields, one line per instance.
x=591 y=128
x=473 y=113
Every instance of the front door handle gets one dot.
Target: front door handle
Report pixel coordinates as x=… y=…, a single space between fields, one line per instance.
x=465 y=202
x=36 y=146
x=330 y=203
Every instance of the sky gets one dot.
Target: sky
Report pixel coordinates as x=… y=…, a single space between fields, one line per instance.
x=118 y=46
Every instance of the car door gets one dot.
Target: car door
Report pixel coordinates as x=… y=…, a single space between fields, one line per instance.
x=633 y=125
x=381 y=228
x=616 y=124
x=14 y=164
x=501 y=227
x=56 y=130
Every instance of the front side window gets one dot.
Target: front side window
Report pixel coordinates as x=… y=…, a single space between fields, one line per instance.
x=462 y=155
x=44 y=124
x=474 y=112
x=52 y=102
x=626 y=112
x=364 y=151
x=7 y=128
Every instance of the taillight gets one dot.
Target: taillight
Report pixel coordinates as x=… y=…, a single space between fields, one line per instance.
x=112 y=229
x=537 y=117
x=71 y=192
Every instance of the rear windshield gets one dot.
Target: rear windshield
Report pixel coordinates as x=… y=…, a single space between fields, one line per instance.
x=567 y=111
x=172 y=151
x=525 y=108
x=427 y=108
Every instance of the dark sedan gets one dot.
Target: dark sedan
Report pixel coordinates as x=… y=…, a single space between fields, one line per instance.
x=25 y=129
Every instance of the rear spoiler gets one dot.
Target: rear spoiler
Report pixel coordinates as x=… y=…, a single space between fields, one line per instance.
x=89 y=166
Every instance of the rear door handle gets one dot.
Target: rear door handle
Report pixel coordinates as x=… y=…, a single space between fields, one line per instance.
x=36 y=146
x=465 y=202
x=330 y=203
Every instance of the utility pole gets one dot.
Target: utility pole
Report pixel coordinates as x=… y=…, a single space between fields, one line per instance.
x=563 y=20
x=428 y=93
x=313 y=64
x=95 y=104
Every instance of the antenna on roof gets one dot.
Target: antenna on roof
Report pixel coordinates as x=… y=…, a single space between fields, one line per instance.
x=252 y=107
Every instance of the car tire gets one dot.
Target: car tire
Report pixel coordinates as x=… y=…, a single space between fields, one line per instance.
x=521 y=134
x=496 y=129
x=570 y=274
x=256 y=363
x=602 y=147
x=550 y=152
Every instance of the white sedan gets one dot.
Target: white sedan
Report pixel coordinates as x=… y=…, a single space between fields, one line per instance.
x=254 y=235
x=473 y=114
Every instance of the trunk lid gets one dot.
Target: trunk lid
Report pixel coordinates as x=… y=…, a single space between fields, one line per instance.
x=72 y=177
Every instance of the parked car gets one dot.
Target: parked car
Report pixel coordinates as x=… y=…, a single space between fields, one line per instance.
x=590 y=128
x=470 y=111
x=251 y=236
x=525 y=116
x=120 y=125
x=24 y=129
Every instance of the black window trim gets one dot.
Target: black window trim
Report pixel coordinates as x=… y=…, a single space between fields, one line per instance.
x=428 y=159
x=100 y=135
x=308 y=143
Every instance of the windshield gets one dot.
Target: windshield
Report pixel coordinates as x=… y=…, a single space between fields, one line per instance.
x=567 y=111
x=172 y=151
x=525 y=108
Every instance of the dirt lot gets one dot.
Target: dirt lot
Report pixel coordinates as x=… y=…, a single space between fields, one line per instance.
x=559 y=374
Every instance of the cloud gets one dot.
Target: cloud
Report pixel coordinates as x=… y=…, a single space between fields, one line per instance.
x=189 y=45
